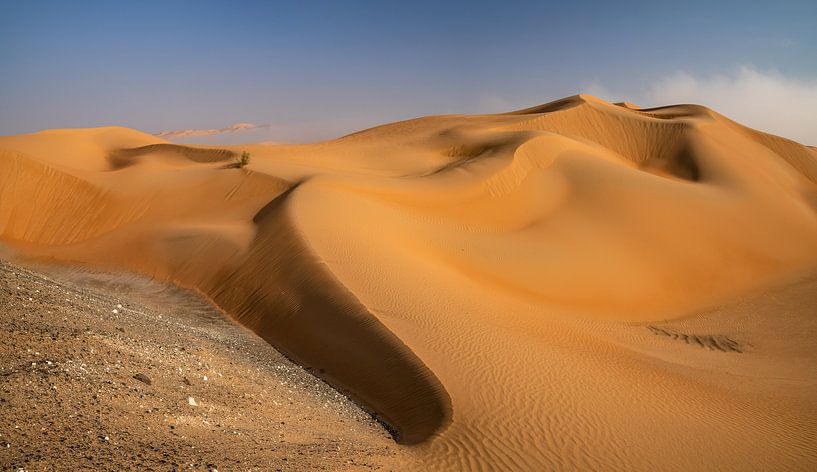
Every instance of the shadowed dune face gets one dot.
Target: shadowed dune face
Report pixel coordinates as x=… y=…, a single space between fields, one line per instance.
x=490 y=286
x=281 y=290
x=120 y=158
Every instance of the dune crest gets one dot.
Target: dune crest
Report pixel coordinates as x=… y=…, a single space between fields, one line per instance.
x=120 y=158
x=551 y=288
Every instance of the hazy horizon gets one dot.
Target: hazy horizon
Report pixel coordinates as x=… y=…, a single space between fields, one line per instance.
x=317 y=70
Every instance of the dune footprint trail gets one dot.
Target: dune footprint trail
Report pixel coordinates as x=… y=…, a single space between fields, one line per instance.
x=505 y=291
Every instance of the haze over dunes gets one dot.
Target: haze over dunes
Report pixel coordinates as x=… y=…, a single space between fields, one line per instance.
x=577 y=285
x=186 y=133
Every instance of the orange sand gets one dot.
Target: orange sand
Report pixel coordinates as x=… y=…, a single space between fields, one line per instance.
x=578 y=285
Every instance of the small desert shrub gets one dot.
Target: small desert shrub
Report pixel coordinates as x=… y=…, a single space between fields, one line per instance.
x=243 y=160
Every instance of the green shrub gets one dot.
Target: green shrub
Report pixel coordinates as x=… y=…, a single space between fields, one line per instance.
x=243 y=160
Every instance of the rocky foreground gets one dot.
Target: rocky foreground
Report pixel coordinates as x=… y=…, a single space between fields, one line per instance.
x=112 y=372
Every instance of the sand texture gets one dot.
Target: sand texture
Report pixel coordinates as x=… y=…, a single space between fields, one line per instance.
x=575 y=286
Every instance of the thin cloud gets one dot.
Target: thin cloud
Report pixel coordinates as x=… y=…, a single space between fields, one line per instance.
x=765 y=100
x=184 y=133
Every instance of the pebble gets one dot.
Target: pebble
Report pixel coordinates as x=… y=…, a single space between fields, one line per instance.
x=142 y=378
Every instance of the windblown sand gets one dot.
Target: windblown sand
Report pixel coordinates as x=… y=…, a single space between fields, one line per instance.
x=578 y=285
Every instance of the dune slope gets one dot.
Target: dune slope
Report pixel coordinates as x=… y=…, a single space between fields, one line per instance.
x=578 y=285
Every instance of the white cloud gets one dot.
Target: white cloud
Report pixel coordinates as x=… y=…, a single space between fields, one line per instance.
x=184 y=133
x=765 y=100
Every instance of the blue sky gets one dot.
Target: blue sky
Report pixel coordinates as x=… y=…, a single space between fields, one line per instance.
x=316 y=70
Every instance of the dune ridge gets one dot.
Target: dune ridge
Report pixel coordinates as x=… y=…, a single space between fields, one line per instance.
x=516 y=291
x=301 y=305
x=120 y=158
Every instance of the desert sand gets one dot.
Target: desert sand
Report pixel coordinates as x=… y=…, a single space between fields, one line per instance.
x=578 y=285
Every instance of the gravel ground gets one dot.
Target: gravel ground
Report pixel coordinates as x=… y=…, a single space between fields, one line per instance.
x=116 y=372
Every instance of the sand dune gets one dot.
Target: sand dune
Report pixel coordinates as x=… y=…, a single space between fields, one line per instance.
x=577 y=285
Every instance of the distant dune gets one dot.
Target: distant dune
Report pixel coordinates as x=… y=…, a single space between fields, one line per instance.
x=578 y=285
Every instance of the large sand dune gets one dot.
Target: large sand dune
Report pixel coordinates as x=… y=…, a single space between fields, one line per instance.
x=578 y=285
